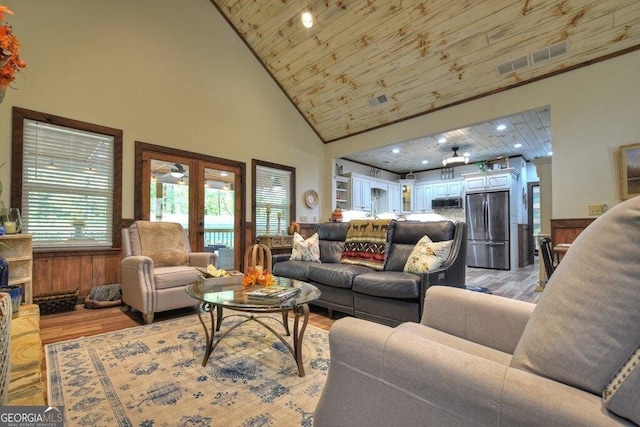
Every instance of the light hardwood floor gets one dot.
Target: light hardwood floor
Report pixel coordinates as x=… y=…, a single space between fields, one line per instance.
x=520 y=285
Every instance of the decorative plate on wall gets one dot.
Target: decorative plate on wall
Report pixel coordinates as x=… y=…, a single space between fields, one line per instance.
x=311 y=198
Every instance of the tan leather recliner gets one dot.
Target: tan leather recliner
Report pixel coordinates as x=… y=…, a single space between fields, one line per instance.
x=157 y=266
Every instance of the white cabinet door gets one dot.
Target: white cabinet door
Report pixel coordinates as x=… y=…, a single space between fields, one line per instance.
x=454 y=189
x=360 y=194
x=407 y=195
x=440 y=189
x=476 y=184
x=394 y=197
x=423 y=197
x=447 y=189
x=495 y=182
x=366 y=195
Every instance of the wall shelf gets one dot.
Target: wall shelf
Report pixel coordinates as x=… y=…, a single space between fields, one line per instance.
x=19 y=256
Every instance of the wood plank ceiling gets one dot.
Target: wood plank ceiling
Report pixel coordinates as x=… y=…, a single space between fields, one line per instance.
x=421 y=55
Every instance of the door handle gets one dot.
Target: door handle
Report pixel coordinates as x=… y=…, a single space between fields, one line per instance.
x=201 y=233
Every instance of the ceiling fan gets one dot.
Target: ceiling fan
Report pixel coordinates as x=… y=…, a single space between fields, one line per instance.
x=177 y=170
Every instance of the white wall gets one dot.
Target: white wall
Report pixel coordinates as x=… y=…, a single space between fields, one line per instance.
x=594 y=110
x=170 y=73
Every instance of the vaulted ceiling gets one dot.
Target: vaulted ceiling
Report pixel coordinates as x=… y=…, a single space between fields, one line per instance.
x=420 y=55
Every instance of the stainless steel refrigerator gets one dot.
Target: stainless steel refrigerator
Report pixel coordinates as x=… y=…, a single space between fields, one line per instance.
x=487 y=216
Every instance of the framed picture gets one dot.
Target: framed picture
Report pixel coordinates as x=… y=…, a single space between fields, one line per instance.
x=629 y=171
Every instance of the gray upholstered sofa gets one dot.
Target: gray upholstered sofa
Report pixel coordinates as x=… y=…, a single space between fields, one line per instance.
x=476 y=359
x=390 y=296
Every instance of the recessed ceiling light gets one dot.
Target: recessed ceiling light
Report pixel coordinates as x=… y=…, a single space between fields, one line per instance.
x=467 y=154
x=442 y=140
x=395 y=150
x=307 y=19
x=550 y=153
x=518 y=145
x=501 y=127
x=424 y=162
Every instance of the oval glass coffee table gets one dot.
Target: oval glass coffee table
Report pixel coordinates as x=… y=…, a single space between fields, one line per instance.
x=237 y=297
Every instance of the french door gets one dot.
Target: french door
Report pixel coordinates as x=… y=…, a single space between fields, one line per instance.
x=203 y=193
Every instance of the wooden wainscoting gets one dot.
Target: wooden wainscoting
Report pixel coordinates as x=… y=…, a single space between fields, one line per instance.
x=58 y=271
x=566 y=230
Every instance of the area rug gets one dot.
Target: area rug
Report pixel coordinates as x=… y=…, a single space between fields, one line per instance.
x=152 y=375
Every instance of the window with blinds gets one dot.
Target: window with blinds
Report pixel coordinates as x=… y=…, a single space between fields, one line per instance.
x=274 y=197
x=67 y=186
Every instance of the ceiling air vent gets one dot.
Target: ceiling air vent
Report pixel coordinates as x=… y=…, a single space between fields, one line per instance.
x=513 y=65
x=550 y=52
x=378 y=100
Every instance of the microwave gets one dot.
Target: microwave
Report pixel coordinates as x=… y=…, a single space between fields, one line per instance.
x=452 y=203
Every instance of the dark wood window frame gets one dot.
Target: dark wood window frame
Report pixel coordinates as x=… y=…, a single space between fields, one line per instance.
x=292 y=206
x=141 y=193
x=19 y=114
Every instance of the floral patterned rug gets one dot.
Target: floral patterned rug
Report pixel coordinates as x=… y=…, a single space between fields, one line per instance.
x=152 y=375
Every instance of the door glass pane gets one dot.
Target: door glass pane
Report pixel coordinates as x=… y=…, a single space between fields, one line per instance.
x=169 y=192
x=219 y=220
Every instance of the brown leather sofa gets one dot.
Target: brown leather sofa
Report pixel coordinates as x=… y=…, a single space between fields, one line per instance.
x=390 y=296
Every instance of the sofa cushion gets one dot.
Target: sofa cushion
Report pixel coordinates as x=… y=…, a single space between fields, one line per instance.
x=337 y=275
x=585 y=324
x=163 y=242
x=427 y=255
x=170 y=277
x=305 y=250
x=407 y=233
x=367 y=243
x=291 y=269
x=388 y=284
x=331 y=236
x=622 y=395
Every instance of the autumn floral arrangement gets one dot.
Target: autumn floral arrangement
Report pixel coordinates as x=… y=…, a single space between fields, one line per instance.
x=258 y=275
x=10 y=62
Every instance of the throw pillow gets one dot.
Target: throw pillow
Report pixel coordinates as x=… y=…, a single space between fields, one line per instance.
x=622 y=395
x=305 y=250
x=366 y=243
x=427 y=255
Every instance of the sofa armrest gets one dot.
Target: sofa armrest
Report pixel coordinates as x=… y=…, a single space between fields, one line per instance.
x=485 y=319
x=279 y=258
x=202 y=259
x=409 y=380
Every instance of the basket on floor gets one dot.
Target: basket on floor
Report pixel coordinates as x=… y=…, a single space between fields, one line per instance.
x=57 y=301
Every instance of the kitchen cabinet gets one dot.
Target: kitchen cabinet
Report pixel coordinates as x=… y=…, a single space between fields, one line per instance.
x=407 y=194
x=447 y=189
x=423 y=196
x=341 y=184
x=489 y=182
x=360 y=194
x=19 y=255
x=394 y=197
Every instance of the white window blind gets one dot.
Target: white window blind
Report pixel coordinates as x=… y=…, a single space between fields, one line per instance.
x=67 y=186
x=273 y=193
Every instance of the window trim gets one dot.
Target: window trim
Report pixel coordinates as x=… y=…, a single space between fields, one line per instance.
x=292 y=205
x=17 y=147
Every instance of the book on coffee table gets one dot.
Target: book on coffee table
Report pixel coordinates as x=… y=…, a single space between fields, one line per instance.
x=278 y=293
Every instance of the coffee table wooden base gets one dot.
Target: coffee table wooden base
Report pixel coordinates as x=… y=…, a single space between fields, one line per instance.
x=300 y=311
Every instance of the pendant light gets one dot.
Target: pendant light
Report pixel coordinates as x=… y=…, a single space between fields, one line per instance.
x=455 y=159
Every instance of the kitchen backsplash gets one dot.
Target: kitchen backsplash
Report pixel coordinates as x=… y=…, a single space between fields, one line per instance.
x=452 y=214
